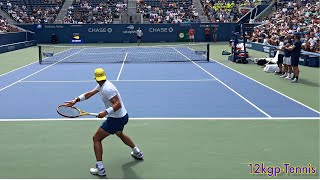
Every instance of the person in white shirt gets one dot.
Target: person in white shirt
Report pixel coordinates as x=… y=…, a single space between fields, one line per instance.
x=139 y=36
x=117 y=118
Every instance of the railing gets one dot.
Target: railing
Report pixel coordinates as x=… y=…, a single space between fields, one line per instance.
x=265 y=12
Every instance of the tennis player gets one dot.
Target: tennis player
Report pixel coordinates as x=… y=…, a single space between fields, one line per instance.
x=117 y=118
x=139 y=36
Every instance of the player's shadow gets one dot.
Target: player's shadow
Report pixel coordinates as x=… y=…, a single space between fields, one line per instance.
x=128 y=172
x=308 y=83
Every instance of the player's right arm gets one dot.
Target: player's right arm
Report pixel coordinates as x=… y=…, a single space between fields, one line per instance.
x=82 y=97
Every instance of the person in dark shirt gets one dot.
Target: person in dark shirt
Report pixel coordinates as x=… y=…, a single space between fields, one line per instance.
x=215 y=34
x=295 y=50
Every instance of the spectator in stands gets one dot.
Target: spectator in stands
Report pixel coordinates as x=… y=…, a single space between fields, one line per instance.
x=40 y=14
x=225 y=11
x=298 y=16
x=6 y=27
x=168 y=12
x=82 y=12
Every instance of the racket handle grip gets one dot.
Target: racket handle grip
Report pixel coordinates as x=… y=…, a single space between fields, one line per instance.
x=94 y=114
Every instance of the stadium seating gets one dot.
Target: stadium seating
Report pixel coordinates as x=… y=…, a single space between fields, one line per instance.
x=6 y=27
x=168 y=11
x=94 y=11
x=32 y=11
x=284 y=22
x=225 y=11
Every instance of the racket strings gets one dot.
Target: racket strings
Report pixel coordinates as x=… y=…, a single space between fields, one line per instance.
x=68 y=111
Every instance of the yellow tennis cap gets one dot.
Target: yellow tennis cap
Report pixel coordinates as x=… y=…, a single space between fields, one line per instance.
x=99 y=74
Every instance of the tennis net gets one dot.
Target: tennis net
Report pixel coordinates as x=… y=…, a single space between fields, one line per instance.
x=133 y=54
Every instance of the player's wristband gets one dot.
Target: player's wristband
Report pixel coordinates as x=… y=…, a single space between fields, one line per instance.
x=82 y=97
x=110 y=110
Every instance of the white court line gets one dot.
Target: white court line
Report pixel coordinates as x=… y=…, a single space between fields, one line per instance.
x=124 y=60
x=268 y=87
x=30 y=64
x=18 y=68
x=156 y=52
x=226 y=85
x=134 y=80
x=169 y=119
x=39 y=71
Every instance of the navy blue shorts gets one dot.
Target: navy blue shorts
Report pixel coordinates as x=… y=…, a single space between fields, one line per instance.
x=112 y=125
x=280 y=59
x=294 y=61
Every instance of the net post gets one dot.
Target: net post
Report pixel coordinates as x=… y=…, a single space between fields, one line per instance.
x=40 y=56
x=208 y=52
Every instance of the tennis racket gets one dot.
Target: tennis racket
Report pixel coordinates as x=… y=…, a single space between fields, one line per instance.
x=73 y=112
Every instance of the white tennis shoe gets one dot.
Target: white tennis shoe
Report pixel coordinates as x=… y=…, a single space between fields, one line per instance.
x=138 y=155
x=295 y=80
x=98 y=172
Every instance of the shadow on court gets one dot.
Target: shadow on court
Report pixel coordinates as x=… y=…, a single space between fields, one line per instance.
x=128 y=172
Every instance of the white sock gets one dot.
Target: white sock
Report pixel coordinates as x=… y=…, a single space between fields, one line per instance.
x=100 y=164
x=136 y=150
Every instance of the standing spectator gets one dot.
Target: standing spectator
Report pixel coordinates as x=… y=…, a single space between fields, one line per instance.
x=207 y=32
x=295 y=56
x=287 y=59
x=215 y=34
x=280 y=56
x=191 y=34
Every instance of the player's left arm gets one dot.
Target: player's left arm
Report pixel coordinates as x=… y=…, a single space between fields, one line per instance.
x=116 y=105
x=82 y=97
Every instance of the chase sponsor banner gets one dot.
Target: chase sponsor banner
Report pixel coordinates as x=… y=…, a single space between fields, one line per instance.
x=161 y=29
x=99 y=30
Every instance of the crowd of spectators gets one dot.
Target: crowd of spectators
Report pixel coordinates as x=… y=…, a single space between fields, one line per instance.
x=6 y=27
x=28 y=13
x=295 y=17
x=163 y=11
x=84 y=11
x=226 y=11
